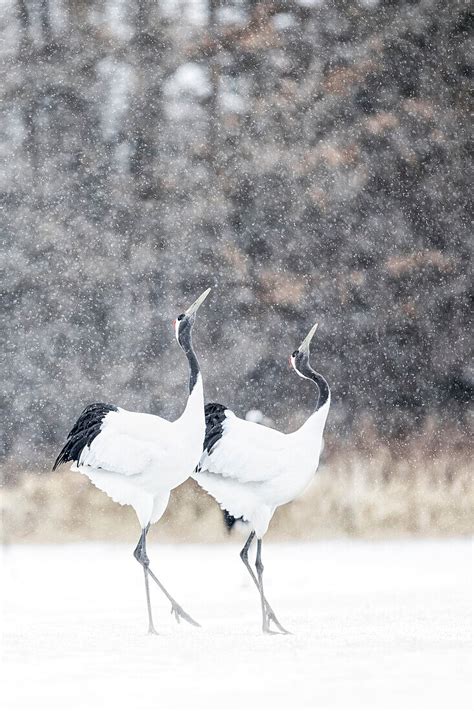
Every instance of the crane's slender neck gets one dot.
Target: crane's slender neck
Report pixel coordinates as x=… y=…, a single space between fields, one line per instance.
x=185 y=341
x=305 y=370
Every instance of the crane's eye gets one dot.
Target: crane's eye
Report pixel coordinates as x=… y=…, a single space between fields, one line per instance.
x=294 y=354
x=180 y=317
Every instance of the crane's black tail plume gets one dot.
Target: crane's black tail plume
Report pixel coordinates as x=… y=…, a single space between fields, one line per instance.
x=84 y=432
x=215 y=416
x=230 y=521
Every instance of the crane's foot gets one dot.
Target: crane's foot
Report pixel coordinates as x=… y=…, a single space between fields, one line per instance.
x=151 y=630
x=179 y=613
x=176 y=609
x=271 y=617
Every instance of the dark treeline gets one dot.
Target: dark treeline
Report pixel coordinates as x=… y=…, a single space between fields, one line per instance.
x=307 y=160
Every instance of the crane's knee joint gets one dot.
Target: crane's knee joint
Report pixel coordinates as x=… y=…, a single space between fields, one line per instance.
x=140 y=555
x=259 y=566
x=244 y=555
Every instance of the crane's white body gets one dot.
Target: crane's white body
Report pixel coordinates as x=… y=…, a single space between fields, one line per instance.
x=137 y=459
x=252 y=469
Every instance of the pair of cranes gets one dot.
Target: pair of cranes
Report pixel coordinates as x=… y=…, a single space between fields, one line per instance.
x=250 y=469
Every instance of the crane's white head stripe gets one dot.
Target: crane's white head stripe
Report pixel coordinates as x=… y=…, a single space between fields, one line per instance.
x=293 y=363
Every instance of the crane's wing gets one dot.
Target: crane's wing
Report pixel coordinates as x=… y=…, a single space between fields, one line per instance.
x=116 y=440
x=240 y=450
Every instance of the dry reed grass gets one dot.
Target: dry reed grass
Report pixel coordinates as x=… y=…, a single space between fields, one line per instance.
x=353 y=494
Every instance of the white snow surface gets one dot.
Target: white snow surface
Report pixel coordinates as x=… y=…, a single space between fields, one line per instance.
x=383 y=625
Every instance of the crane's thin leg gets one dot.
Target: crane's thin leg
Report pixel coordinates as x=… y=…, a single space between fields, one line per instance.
x=244 y=554
x=141 y=556
x=267 y=613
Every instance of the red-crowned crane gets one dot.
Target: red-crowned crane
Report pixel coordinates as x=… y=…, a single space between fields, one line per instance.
x=251 y=469
x=138 y=459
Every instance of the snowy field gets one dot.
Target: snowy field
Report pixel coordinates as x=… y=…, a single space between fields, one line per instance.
x=376 y=626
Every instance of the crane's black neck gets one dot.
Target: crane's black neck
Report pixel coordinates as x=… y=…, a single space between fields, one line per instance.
x=306 y=371
x=186 y=343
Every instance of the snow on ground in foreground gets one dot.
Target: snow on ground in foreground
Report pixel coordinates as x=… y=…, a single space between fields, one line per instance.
x=376 y=626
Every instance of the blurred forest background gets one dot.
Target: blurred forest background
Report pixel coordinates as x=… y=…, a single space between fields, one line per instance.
x=306 y=159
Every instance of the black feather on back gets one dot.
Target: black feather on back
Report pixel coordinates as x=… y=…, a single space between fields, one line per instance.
x=215 y=416
x=84 y=432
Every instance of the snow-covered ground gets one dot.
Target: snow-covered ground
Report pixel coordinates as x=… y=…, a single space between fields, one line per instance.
x=376 y=626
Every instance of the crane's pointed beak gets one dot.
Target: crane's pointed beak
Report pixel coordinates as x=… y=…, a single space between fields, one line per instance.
x=304 y=348
x=194 y=307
